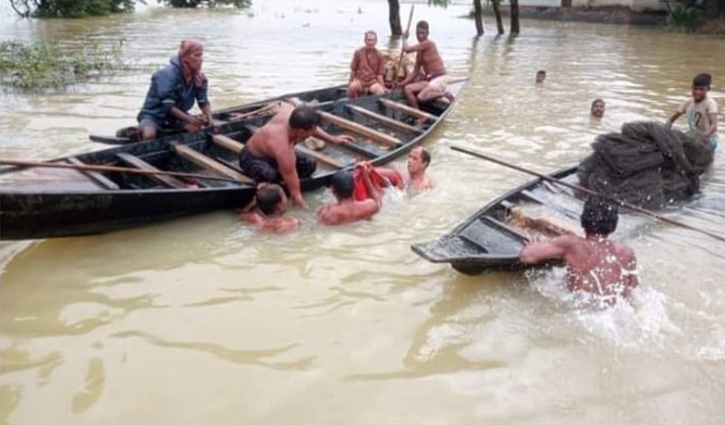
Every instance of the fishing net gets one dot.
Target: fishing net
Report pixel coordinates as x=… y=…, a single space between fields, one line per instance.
x=647 y=164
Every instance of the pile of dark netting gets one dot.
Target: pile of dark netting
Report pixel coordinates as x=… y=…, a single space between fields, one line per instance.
x=646 y=164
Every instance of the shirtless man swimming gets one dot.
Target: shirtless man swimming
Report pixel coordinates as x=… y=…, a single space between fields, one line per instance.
x=347 y=209
x=270 y=203
x=428 y=63
x=269 y=155
x=595 y=264
x=367 y=69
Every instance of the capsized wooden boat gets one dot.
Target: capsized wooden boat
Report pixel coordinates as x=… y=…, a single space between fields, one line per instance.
x=44 y=203
x=492 y=238
x=130 y=134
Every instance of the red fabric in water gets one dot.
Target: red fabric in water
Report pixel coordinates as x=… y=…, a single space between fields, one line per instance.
x=380 y=177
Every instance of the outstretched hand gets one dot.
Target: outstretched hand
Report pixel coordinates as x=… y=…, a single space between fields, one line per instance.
x=344 y=139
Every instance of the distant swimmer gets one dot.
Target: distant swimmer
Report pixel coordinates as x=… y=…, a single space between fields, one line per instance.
x=597 y=108
x=595 y=264
x=540 y=76
x=267 y=210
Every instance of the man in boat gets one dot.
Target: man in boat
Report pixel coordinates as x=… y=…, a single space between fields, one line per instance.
x=269 y=155
x=367 y=69
x=348 y=209
x=266 y=211
x=595 y=264
x=172 y=93
x=428 y=62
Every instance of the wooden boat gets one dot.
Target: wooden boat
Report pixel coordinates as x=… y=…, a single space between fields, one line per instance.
x=44 y=203
x=130 y=134
x=492 y=238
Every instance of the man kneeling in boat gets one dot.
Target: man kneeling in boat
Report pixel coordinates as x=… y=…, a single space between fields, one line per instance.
x=266 y=211
x=595 y=264
x=269 y=155
x=173 y=91
x=348 y=209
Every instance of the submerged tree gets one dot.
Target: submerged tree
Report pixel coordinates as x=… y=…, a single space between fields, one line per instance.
x=394 y=17
x=497 y=13
x=478 y=16
x=515 y=29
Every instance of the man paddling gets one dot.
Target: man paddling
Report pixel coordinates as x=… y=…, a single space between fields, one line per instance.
x=269 y=155
x=595 y=264
x=429 y=64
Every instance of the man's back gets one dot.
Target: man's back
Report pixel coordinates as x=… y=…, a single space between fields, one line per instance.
x=599 y=266
x=347 y=212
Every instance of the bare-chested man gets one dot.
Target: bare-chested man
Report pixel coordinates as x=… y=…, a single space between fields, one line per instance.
x=270 y=152
x=347 y=209
x=367 y=69
x=418 y=161
x=595 y=264
x=428 y=63
x=266 y=211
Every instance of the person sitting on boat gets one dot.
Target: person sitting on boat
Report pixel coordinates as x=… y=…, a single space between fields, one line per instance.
x=595 y=264
x=367 y=69
x=348 y=209
x=267 y=208
x=172 y=93
x=269 y=155
x=429 y=61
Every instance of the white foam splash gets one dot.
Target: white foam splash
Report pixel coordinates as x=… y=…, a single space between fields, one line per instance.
x=641 y=321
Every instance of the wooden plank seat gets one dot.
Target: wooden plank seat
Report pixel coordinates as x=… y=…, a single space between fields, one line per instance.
x=210 y=164
x=407 y=109
x=385 y=120
x=97 y=177
x=360 y=129
x=134 y=161
x=227 y=142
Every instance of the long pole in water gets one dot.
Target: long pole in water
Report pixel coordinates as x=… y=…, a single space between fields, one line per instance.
x=635 y=208
x=109 y=169
x=407 y=31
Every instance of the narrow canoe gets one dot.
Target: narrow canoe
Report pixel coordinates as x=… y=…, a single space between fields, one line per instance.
x=45 y=203
x=492 y=238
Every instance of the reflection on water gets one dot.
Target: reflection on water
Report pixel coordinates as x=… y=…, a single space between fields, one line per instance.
x=218 y=324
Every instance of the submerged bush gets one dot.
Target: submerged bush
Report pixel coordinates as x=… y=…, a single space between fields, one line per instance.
x=48 y=65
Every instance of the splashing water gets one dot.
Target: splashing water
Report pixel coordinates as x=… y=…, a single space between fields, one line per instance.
x=641 y=321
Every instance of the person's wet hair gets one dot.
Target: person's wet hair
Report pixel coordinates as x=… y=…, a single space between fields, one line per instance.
x=702 y=80
x=540 y=72
x=343 y=184
x=422 y=24
x=599 y=216
x=425 y=156
x=373 y=33
x=594 y=102
x=268 y=197
x=304 y=118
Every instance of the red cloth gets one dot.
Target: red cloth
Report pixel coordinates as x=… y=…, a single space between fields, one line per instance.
x=379 y=177
x=188 y=47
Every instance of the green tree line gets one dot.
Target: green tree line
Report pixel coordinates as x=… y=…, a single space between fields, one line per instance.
x=83 y=8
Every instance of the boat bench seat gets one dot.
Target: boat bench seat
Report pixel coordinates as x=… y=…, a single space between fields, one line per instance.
x=487 y=234
x=139 y=163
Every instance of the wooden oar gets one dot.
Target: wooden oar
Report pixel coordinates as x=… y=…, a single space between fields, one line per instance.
x=588 y=191
x=402 y=50
x=108 y=169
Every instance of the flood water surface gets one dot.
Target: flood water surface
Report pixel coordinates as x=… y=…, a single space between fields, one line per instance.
x=203 y=320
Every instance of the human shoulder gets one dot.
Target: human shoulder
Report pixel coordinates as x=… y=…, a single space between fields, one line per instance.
x=685 y=105
x=710 y=105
